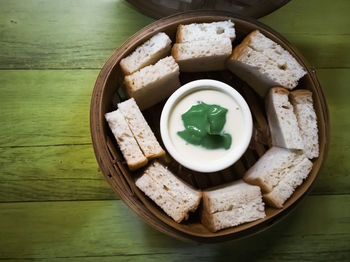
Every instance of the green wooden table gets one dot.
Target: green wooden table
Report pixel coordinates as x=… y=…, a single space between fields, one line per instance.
x=54 y=203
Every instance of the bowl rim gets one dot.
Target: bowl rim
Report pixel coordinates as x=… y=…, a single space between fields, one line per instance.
x=122 y=184
x=233 y=154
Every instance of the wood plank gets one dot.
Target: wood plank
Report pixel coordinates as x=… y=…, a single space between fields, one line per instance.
x=65 y=231
x=34 y=169
x=322 y=51
x=51 y=173
x=78 y=34
x=333 y=83
x=43 y=34
x=308 y=17
x=33 y=114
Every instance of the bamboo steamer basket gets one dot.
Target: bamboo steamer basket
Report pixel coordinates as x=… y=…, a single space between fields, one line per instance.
x=113 y=167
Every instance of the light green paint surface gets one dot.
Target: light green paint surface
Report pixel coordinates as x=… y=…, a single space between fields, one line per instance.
x=55 y=205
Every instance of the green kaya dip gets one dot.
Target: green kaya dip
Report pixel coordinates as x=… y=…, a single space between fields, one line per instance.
x=204 y=126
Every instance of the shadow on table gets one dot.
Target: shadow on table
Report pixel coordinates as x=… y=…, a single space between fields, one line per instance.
x=263 y=246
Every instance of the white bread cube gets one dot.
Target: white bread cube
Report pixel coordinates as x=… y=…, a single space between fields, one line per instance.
x=140 y=129
x=203 y=31
x=153 y=83
x=203 y=55
x=231 y=205
x=170 y=193
x=269 y=169
x=262 y=63
x=157 y=47
x=282 y=120
x=307 y=121
x=185 y=194
x=278 y=173
x=126 y=141
x=286 y=186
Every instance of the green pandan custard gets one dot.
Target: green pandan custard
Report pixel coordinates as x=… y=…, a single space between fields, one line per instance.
x=204 y=126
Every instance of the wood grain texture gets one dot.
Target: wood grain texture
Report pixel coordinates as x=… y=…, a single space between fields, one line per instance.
x=334 y=84
x=83 y=33
x=64 y=34
x=51 y=173
x=308 y=17
x=58 y=231
x=45 y=107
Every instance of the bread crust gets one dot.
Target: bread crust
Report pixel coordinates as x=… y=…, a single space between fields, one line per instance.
x=280 y=90
x=258 y=182
x=175 y=51
x=301 y=92
x=271 y=201
x=241 y=49
x=207 y=221
x=138 y=165
x=179 y=37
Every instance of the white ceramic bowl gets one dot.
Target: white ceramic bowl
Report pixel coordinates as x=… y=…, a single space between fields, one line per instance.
x=236 y=150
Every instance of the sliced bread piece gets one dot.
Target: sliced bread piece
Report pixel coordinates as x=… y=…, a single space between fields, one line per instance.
x=140 y=129
x=231 y=205
x=262 y=63
x=153 y=83
x=307 y=121
x=269 y=169
x=170 y=193
x=157 y=47
x=126 y=141
x=161 y=197
x=204 y=55
x=204 y=31
x=279 y=171
x=285 y=188
x=282 y=120
x=185 y=194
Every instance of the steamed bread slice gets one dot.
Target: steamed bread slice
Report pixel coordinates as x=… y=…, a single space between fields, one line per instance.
x=140 y=129
x=283 y=123
x=170 y=193
x=203 y=47
x=157 y=47
x=204 y=31
x=231 y=205
x=263 y=64
x=203 y=55
x=279 y=172
x=307 y=120
x=153 y=83
x=125 y=139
